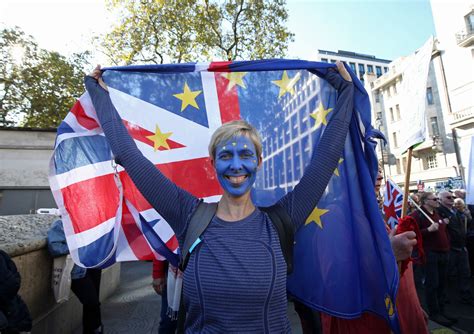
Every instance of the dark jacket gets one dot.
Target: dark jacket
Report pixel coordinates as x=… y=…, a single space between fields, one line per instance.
x=14 y=314
x=456 y=227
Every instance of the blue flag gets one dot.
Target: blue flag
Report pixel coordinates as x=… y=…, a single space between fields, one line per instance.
x=343 y=263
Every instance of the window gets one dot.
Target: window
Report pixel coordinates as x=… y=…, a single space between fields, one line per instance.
x=361 y=70
x=429 y=95
x=333 y=61
x=395 y=89
x=405 y=164
x=385 y=69
x=469 y=22
x=397 y=110
x=324 y=60
x=370 y=68
x=378 y=71
x=430 y=161
x=392 y=116
x=377 y=97
x=353 y=66
x=434 y=126
x=399 y=169
x=394 y=137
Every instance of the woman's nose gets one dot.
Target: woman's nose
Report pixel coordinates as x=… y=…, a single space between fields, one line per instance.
x=236 y=164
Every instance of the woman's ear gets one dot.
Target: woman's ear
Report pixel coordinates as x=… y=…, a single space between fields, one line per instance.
x=260 y=160
x=212 y=162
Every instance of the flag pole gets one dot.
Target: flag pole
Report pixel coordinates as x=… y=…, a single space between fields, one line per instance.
x=406 y=189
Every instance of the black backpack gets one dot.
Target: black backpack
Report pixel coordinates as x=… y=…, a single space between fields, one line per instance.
x=203 y=216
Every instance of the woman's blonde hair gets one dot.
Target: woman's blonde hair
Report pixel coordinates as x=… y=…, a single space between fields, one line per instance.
x=234 y=129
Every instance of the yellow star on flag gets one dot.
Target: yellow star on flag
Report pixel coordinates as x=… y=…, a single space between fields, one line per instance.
x=315 y=216
x=336 y=171
x=188 y=97
x=320 y=115
x=235 y=78
x=286 y=84
x=159 y=139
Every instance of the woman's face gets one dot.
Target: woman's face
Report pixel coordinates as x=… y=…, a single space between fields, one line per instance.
x=236 y=165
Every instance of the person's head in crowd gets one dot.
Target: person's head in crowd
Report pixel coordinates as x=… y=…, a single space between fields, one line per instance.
x=416 y=198
x=429 y=200
x=460 y=193
x=459 y=204
x=446 y=199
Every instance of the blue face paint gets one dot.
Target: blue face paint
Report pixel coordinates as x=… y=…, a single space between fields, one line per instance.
x=236 y=164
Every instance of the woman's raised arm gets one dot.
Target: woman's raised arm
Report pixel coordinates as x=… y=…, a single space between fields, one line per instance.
x=300 y=202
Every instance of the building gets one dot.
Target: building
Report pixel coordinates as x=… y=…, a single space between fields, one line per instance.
x=434 y=161
x=24 y=167
x=360 y=63
x=288 y=141
x=454 y=23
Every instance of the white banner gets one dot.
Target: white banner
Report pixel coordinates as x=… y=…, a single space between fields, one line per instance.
x=413 y=96
x=470 y=176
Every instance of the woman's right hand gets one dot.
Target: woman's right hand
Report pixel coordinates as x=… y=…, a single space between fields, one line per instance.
x=97 y=74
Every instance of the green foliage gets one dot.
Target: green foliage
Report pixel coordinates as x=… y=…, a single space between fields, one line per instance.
x=39 y=88
x=187 y=30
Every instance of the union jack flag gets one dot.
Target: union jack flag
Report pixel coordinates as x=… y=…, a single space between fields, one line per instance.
x=392 y=203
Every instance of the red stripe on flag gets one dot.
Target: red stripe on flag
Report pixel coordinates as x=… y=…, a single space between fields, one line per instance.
x=219 y=66
x=82 y=118
x=86 y=214
x=196 y=176
x=172 y=244
x=141 y=134
x=134 y=235
x=228 y=97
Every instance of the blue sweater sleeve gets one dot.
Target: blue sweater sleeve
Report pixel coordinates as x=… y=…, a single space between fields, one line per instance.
x=325 y=156
x=57 y=245
x=171 y=202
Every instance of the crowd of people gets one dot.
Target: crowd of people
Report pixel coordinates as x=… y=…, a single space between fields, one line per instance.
x=447 y=231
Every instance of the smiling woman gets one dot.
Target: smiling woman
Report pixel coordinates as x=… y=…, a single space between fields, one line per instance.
x=223 y=289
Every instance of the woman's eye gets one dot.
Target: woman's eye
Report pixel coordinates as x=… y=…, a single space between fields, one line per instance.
x=247 y=155
x=224 y=156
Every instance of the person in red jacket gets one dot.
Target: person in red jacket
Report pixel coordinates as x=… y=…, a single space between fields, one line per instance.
x=436 y=247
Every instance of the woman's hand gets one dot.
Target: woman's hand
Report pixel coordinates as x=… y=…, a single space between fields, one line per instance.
x=343 y=72
x=97 y=74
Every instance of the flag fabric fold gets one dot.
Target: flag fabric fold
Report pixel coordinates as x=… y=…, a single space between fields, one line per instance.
x=343 y=261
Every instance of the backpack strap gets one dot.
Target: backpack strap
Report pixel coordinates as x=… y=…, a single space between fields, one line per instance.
x=198 y=223
x=286 y=232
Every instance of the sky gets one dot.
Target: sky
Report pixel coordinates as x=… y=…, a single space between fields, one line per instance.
x=386 y=29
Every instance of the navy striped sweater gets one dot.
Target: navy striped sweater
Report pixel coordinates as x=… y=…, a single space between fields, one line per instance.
x=235 y=280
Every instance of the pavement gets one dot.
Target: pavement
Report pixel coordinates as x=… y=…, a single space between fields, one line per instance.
x=135 y=307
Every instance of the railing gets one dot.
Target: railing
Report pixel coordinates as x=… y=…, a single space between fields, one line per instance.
x=465 y=37
x=462 y=115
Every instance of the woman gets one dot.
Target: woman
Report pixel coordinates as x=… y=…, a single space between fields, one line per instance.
x=235 y=280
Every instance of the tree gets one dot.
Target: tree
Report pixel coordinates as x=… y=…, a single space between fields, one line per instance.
x=37 y=87
x=186 y=30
